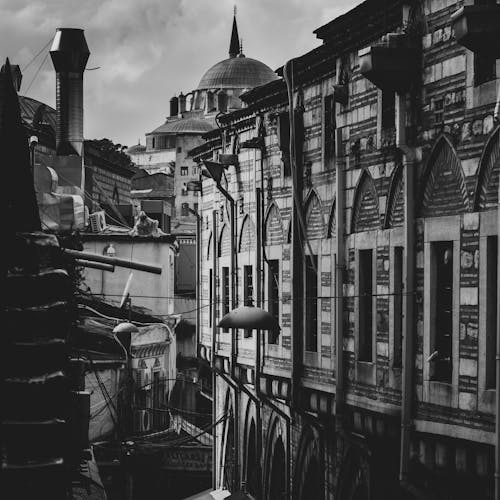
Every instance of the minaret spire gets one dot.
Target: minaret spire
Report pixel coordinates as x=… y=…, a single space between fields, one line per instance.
x=234 y=46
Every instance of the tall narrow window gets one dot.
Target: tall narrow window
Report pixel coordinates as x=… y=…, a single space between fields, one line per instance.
x=398 y=307
x=248 y=291
x=441 y=355
x=388 y=109
x=365 y=324
x=491 y=309
x=210 y=295
x=225 y=293
x=311 y=324
x=329 y=121
x=273 y=295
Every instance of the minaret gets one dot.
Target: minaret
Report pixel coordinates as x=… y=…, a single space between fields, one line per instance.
x=234 y=46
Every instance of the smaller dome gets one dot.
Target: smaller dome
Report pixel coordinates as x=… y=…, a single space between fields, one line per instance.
x=189 y=125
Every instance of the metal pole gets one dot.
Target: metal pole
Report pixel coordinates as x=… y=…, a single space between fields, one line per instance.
x=409 y=288
x=114 y=261
x=213 y=305
x=497 y=416
x=339 y=291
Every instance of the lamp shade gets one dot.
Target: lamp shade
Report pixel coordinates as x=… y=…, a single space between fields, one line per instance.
x=125 y=327
x=249 y=318
x=214 y=169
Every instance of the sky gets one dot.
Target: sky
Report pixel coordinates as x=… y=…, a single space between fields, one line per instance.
x=146 y=51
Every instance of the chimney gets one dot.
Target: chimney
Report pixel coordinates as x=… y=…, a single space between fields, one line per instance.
x=182 y=103
x=69 y=53
x=174 y=106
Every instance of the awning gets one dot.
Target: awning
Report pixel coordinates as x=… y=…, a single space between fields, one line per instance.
x=210 y=495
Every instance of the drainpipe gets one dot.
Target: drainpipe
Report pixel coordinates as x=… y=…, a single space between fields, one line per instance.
x=339 y=290
x=296 y=251
x=409 y=296
x=213 y=305
x=497 y=386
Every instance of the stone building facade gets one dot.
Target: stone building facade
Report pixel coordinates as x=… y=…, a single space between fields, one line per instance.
x=365 y=193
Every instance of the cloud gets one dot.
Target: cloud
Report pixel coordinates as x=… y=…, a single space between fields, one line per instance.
x=148 y=50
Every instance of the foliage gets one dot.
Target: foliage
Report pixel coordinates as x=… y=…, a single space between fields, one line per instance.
x=111 y=151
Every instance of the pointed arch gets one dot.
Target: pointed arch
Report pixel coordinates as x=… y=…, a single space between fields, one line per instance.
x=365 y=211
x=276 y=460
x=395 y=213
x=309 y=466
x=273 y=233
x=251 y=462
x=332 y=223
x=442 y=188
x=227 y=456
x=224 y=246
x=486 y=192
x=314 y=216
x=247 y=235
x=209 y=247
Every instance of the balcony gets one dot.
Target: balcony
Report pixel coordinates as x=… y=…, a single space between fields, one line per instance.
x=392 y=64
x=477 y=28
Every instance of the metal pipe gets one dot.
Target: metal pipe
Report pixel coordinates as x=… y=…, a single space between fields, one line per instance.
x=339 y=288
x=409 y=283
x=95 y=265
x=114 y=261
x=497 y=386
x=213 y=305
x=258 y=266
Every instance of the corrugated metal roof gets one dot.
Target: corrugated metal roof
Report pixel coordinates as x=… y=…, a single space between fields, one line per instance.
x=237 y=73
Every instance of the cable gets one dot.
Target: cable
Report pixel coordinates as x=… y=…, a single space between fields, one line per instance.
x=35 y=56
x=36 y=74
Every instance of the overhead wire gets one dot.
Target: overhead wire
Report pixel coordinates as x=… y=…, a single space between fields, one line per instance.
x=26 y=66
x=36 y=74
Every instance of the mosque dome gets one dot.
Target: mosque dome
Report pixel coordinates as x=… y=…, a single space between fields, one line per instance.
x=237 y=73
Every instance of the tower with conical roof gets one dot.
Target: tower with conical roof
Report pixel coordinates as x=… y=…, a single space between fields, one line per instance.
x=234 y=45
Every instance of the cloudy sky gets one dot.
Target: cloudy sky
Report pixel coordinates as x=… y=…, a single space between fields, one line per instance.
x=148 y=50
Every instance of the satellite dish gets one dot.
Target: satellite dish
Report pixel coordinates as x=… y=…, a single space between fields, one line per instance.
x=126 y=290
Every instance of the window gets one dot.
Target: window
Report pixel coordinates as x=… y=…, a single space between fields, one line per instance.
x=184 y=171
x=329 y=121
x=311 y=299
x=248 y=291
x=154 y=142
x=441 y=351
x=398 y=307
x=225 y=293
x=185 y=209
x=485 y=68
x=195 y=207
x=184 y=190
x=365 y=320
x=179 y=149
x=388 y=109
x=195 y=170
x=210 y=296
x=273 y=267
x=491 y=309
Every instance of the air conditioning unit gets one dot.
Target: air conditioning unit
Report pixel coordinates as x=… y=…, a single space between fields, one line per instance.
x=142 y=421
x=97 y=221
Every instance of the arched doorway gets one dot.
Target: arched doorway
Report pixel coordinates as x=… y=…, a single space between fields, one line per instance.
x=314 y=482
x=277 y=476
x=355 y=478
x=252 y=463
